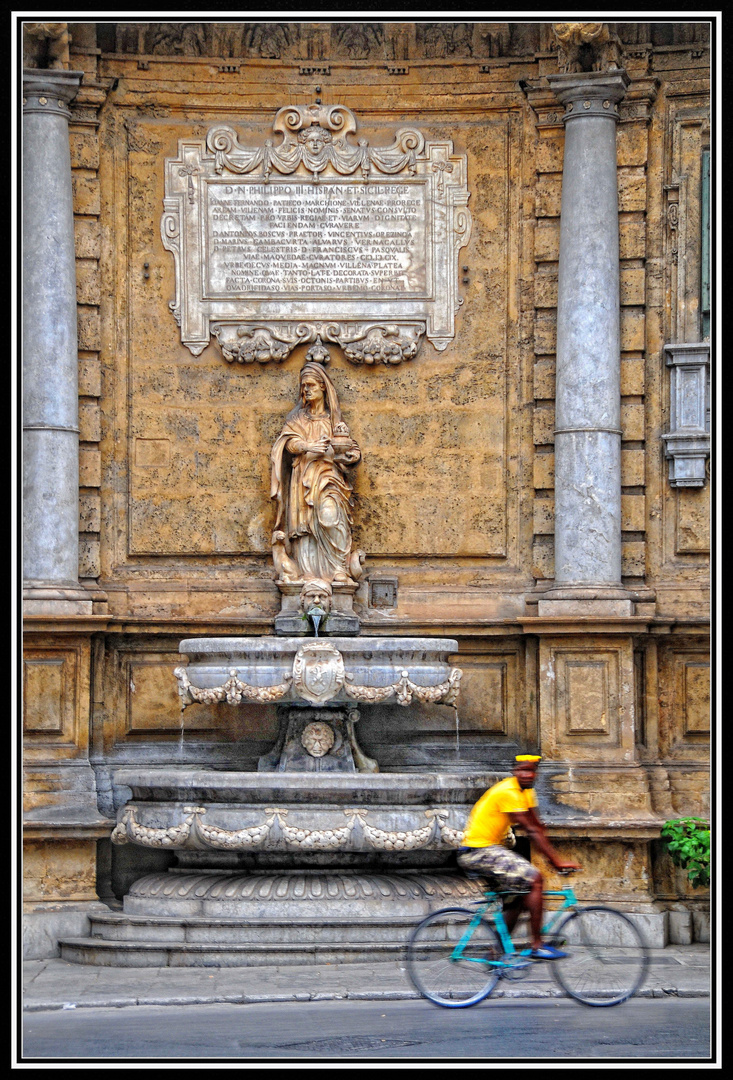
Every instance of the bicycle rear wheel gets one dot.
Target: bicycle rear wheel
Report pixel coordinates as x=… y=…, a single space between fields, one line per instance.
x=437 y=970
x=607 y=959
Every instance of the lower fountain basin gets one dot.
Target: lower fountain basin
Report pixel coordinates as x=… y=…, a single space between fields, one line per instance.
x=203 y=810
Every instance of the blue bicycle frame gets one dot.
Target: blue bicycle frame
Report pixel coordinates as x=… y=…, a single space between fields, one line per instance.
x=511 y=957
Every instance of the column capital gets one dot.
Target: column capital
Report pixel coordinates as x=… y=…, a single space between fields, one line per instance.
x=590 y=93
x=49 y=90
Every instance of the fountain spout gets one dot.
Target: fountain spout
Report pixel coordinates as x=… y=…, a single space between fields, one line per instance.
x=315 y=616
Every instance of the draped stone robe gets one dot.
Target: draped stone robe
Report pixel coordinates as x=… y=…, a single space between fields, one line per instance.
x=313 y=496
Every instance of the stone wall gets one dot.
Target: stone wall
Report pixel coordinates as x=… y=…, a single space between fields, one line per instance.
x=455 y=495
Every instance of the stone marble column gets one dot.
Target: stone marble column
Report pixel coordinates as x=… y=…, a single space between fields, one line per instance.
x=588 y=395
x=50 y=358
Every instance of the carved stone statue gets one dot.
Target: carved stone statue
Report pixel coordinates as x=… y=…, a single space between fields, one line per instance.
x=311 y=461
x=46 y=45
x=586 y=47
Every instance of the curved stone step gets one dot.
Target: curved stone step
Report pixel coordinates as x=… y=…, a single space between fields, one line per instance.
x=100 y=952
x=115 y=926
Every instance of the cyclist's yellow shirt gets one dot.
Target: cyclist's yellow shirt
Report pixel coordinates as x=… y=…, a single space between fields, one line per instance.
x=489 y=821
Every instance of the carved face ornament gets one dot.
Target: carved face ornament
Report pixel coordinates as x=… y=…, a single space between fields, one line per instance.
x=318 y=738
x=314 y=141
x=311 y=390
x=315 y=593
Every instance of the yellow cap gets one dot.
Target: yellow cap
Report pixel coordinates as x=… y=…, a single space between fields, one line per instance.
x=528 y=757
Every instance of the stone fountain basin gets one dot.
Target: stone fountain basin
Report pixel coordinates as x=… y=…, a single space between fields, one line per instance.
x=191 y=784
x=371 y=662
x=199 y=809
x=202 y=809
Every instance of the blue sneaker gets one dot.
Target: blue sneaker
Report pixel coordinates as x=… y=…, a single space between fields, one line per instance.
x=545 y=952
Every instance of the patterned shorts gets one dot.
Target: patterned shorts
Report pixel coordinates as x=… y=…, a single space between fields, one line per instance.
x=504 y=869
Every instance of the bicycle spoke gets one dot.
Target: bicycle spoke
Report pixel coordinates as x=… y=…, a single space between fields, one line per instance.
x=607 y=959
x=450 y=955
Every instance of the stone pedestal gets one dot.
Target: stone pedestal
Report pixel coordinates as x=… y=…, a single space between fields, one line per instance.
x=50 y=361
x=317 y=740
x=588 y=402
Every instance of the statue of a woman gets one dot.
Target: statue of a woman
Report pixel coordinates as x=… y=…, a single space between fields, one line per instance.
x=310 y=462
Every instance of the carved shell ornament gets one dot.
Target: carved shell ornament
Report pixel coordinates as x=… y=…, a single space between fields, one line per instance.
x=315 y=136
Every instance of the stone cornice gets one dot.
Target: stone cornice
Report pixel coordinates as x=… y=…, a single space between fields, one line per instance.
x=181 y=626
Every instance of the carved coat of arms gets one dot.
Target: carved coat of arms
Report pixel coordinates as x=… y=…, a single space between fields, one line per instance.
x=318 y=672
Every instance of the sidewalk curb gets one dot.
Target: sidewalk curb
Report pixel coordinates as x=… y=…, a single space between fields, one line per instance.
x=319 y=995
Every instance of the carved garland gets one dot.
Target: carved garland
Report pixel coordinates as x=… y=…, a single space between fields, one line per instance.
x=192 y=832
x=362 y=343
x=233 y=691
x=404 y=690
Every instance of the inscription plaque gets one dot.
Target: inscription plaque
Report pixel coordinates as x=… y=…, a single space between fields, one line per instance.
x=276 y=246
x=327 y=239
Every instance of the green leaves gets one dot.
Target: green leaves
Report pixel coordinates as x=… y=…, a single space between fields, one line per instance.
x=688 y=843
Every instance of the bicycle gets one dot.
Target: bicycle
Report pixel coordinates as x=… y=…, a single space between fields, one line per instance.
x=455 y=957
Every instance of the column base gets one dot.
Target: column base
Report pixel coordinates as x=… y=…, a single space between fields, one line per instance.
x=586 y=600
x=56 y=598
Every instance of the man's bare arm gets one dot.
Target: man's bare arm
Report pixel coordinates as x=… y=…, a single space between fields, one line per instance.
x=529 y=822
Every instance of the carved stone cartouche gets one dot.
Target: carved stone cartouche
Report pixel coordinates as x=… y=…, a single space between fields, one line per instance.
x=363 y=241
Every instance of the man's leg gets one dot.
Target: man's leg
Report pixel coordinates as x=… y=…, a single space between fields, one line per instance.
x=532 y=901
x=507 y=870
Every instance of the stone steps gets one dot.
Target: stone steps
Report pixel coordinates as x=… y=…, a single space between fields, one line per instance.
x=119 y=940
x=123 y=927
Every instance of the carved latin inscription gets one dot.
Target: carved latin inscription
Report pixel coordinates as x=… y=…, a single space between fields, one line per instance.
x=326 y=239
x=317 y=236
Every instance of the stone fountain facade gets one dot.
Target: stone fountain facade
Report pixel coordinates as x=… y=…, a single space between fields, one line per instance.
x=305 y=800
x=252 y=576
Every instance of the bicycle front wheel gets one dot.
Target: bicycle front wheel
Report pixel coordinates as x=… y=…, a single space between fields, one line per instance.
x=607 y=959
x=448 y=958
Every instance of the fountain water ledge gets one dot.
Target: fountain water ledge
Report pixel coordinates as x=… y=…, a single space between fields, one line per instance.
x=339 y=669
x=207 y=810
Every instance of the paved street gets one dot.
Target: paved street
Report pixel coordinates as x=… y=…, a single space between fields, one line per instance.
x=645 y=1028
x=351 y=1011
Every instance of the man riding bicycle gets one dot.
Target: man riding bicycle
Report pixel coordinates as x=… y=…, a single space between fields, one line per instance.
x=486 y=849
